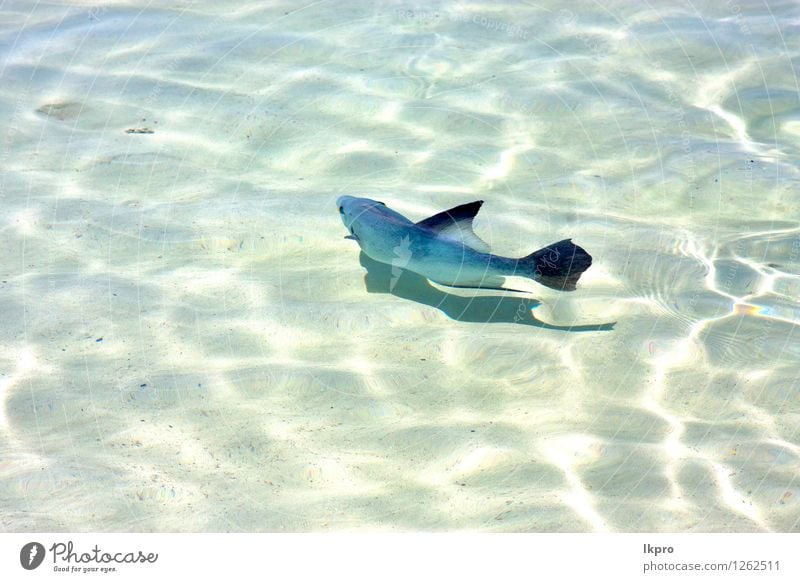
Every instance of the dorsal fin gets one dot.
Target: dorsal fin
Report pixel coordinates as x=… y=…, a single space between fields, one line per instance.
x=457 y=223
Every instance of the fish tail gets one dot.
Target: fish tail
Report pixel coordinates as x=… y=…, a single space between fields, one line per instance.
x=558 y=266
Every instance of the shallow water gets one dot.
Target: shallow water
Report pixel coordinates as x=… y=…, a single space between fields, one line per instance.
x=189 y=343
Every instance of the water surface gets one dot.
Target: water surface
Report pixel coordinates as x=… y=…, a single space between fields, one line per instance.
x=190 y=344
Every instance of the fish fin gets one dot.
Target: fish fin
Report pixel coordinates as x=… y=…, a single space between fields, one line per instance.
x=478 y=288
x=558 y=266
x=456 y=223
x=351 y=237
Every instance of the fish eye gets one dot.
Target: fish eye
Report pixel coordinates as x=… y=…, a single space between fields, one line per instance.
x=341 y=210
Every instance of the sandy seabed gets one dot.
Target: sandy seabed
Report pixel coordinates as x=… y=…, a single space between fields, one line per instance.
x=188 y=343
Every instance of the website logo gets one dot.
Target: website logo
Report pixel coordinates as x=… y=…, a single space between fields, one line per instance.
x=31 y=555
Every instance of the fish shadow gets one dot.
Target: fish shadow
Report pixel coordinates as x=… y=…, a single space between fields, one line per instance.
x=383 y=278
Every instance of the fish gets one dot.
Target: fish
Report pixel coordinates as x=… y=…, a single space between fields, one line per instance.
x=445 y=249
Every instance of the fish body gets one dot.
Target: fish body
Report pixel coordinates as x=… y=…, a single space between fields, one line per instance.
x=446 y=250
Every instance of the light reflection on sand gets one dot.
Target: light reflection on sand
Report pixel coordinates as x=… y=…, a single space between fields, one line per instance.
x=189 y=343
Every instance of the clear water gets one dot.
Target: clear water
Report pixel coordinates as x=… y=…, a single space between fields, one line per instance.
x=189 y=343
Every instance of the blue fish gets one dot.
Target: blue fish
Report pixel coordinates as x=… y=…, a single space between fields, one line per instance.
x=445 y=249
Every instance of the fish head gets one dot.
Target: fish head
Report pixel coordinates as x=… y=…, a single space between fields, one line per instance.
x=352 y=208
x=346 y=206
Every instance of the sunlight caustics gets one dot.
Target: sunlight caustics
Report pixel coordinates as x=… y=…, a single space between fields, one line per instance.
x=190 y=343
